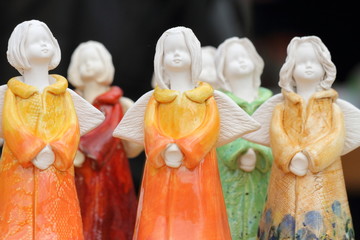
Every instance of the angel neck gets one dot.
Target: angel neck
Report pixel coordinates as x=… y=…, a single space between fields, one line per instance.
x=306 y=90
x=37 y=76
x=180 y=81
x=244 y=88
x=93 y=89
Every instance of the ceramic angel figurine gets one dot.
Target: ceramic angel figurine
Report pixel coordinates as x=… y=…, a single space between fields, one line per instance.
x=208 y=73
x=42 y=121
x=310 y=129
x=102 y=174
x=244 y=166
x=181 y=122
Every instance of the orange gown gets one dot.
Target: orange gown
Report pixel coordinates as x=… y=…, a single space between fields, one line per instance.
x=185 y=202
x=34 y=203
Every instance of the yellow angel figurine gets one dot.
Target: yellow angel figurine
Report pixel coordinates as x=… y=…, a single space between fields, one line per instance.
x=310 y=129
x=42 y=121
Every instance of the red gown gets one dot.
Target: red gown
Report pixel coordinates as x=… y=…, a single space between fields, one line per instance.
x=104 y=183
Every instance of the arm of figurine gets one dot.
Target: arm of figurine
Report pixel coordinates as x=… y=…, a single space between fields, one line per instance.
x=88 y=116
x=156 y=144
x=3 y=89
x=198 y=143
x=18 y=136
x=65 y=147
x=131 y=126
x=234 y=121
x=327 y=149
x=264 y=157
x=283 y=148
x=263 y=115
x=352 y=125
x=230 y=153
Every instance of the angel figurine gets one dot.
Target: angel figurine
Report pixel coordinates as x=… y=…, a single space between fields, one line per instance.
x=102 y=173
x=42 y=121
x=310 y=129
x=244 y=166
x=181 y=122
x=208 y=73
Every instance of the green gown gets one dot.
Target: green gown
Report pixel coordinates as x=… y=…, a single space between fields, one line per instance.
x=245 y=192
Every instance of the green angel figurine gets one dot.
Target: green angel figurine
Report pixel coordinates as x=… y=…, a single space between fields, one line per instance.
x=244 y=166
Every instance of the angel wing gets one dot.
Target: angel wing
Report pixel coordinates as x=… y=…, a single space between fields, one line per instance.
x=131 y=127
x=352 y=125
x=3 y=89
x=234 y=121
x=263 y=115
x=89 y=116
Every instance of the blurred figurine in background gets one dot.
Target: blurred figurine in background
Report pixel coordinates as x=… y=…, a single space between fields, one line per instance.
x=42 y=121
x=244 y=166
x=208 y=73
x=103 y=178
x=181 y=122
x=308 y=128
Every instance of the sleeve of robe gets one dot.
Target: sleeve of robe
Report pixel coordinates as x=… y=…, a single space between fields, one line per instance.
x=327 y=149
x=66 y=145
x=282 y=147
x=155 y=142
x=22 y=143
x=198 y=144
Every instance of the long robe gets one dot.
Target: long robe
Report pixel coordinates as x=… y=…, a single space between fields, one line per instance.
x=185 y=202
x=34 y=203
x=313 y=206
x=104 y=183
x=245 y=192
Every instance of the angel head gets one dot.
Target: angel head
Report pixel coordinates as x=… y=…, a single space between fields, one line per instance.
x=237 y=57
x=308 y=59
x=91 y=61
x=208 y=72
x=31 y=43
x=177 y=49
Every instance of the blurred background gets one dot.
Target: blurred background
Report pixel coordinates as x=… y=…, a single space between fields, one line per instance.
x=130 y=29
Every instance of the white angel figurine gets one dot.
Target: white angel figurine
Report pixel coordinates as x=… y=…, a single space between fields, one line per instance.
x=41 y=124
x=308 y=129
x=181 y=122
x=104 y=177
x=208 y=73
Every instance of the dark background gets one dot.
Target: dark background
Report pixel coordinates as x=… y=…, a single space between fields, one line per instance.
x=129 y=29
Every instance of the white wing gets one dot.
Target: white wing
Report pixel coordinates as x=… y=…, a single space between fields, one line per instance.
x=263 y=115
x=234 y=121
x=3 y=89
x=89 y=116
x=352 y=125
x=131 y=127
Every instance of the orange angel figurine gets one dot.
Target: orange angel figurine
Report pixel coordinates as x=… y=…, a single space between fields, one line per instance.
x=102 y=173
x=42 y=121
x=181 y=122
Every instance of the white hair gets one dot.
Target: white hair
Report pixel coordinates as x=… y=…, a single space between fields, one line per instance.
x=16 y=46
x=107 y=75
x=253 y=54
x=287 y=81
x=194 y=47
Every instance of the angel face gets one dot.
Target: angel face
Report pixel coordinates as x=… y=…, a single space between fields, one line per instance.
x=176 y=54
x=39 y=47
x=238 y=62
x=90 y=63
x=307 y=66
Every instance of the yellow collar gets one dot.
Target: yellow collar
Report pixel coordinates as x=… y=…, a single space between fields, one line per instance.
x=24 y=90
x=199 y=94
x=296 y=98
